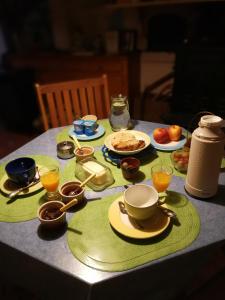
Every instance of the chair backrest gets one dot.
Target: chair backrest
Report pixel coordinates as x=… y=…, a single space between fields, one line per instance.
x=61 y=103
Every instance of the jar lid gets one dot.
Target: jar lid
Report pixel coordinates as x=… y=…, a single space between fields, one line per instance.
x=65 y=149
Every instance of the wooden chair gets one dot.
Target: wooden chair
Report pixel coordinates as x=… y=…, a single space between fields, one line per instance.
x=61 y=103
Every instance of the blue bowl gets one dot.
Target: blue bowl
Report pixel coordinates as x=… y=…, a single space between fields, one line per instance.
x=21 y=170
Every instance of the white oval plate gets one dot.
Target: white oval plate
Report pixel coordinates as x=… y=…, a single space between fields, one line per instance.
x=138 y=134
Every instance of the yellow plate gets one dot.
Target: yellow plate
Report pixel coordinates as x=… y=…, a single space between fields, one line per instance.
x=138 y=134
x=7 y=186
x=128 y=227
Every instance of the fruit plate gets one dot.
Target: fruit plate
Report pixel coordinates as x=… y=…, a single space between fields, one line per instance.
x=168 y=146
x=138 y=134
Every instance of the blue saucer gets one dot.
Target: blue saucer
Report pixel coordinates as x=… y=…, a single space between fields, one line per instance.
x=115 y=158
x=83 y=137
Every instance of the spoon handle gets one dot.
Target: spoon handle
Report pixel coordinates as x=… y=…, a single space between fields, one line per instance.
x=76 y=141
x=68 y=205
x=86 y=180
x=15 y=193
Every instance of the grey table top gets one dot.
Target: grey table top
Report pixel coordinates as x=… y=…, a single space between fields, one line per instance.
x=47 y=262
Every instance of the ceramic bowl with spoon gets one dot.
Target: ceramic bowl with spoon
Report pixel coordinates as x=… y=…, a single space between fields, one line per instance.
x=53 y=213
x=82 y=152
x=74 y=189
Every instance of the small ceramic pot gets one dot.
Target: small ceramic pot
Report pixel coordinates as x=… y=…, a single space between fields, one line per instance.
x=78 y=126
x=130 y=167
x=49 y=214
x=84 y=152
x=90 y=127
x=71 y=190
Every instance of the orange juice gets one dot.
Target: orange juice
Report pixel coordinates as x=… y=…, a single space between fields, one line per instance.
x=50 y=181
x=161 y=181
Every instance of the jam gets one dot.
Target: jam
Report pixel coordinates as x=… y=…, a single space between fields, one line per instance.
x=51 y=213
x=72 y=190
x=84 y=151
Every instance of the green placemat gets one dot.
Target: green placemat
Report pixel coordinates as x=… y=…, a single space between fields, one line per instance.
x=93 y=241
x=63 y=135
x=23 y=208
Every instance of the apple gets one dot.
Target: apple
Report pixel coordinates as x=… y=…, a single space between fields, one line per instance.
x=174 y=132
x=161 y=135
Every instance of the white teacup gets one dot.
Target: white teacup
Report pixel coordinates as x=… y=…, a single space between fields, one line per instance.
x=141 y=201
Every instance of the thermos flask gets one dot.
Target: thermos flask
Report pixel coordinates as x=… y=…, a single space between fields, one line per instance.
x=206 y=153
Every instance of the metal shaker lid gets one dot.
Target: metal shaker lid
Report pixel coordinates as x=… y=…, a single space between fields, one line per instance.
x=65 y=149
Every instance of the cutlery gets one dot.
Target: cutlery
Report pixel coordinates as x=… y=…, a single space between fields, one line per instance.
x=76 y=141
x=68 y=205
x=35 y=181
x=88 y=179
x=169 y=212
x=124 y=211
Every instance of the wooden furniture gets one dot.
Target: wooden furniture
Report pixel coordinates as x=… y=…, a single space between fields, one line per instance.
x=139 y=3
x=195 y=85
x=123 y=71
x=60 y=103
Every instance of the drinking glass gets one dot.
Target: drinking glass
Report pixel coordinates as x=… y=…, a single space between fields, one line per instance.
x=161 y=177
x=49 y=177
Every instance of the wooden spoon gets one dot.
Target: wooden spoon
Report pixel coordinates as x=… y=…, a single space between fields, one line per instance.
x=86 y=180
x=76 y=141
x=68 y=205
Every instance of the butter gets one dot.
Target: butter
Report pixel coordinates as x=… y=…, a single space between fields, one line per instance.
x=93 y=167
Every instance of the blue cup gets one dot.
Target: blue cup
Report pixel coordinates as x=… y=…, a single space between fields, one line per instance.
x=90 y=127
x=21 y=170
x=78 y=126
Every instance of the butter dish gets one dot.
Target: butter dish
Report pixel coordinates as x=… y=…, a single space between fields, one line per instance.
x=90 y=165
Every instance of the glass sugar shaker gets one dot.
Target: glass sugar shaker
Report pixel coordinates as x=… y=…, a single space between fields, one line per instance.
x=119 y=117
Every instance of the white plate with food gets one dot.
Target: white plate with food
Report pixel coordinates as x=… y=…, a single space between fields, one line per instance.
x=127 y=142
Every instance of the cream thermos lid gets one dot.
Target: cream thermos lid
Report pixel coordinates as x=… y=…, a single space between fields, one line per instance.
x=210 y=128
x=211 y=121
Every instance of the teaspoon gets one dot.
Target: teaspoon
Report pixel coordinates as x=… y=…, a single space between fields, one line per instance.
x=18 y=191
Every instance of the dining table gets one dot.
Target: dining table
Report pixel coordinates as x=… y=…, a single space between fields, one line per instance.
x=42 y=261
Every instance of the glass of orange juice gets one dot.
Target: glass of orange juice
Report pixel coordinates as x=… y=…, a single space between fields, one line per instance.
x=49 y=177
x=161 y=177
